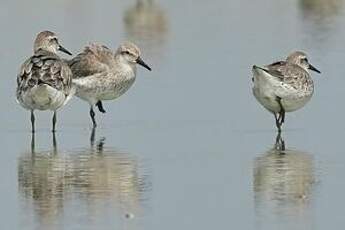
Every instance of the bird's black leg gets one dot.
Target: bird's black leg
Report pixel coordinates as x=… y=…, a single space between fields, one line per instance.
x=54 y=122
x=100 y=106
x=281 y=112
x=32 y=121
x=281 y=117
x=280 y=143
x=277 y=122
x=92 y=114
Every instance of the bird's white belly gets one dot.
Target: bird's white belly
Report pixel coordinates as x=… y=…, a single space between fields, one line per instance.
x=268 y=90
x=42 y=97
x=289 y=104
x=93 y=90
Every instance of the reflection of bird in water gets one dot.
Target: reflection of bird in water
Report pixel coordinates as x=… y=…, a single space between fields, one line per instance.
x=283 y=180
x=33 y=144
x=146 y=23
x=88 y=177
x=320 y=9
x=318 y=23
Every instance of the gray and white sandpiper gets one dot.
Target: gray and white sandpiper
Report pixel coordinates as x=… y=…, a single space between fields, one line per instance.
x=99 y=74
x=284 y=86
x=44 y=81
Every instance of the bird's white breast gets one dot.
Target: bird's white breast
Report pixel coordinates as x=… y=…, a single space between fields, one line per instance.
x=267 y=89
x=103 y=87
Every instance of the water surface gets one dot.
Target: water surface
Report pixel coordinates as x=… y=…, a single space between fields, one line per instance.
x=188 y=147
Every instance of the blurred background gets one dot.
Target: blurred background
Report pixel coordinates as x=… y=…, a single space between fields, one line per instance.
x=188 y=146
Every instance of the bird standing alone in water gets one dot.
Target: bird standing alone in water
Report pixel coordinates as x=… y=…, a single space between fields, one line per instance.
x=99 y=74
x=44 y=81
x=284 y=86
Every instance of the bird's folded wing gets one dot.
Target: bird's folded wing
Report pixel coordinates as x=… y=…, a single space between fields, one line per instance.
x=292 y=79
x=45 y=68
x=94 y=59
x=276 y=69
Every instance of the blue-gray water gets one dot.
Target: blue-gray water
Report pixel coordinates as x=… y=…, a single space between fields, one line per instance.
x=188 y=147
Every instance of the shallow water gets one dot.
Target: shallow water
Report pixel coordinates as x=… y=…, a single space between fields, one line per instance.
x=188 y=147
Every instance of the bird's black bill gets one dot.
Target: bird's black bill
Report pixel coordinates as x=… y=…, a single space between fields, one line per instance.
x=142 y=63
x=314 y=69
x=64 y=50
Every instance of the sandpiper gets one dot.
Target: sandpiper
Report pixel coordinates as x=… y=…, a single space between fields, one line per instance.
x=44 y=81
x=99 y=74
x=284 y=86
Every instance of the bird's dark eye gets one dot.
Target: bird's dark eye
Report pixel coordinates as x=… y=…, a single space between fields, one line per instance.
x=54 y=40
x=306 y=59
x=125 y=52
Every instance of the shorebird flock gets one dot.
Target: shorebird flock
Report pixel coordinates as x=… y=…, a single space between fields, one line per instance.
x=47 y=82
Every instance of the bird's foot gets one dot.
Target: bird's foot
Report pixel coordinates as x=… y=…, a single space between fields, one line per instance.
x=100 y=107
